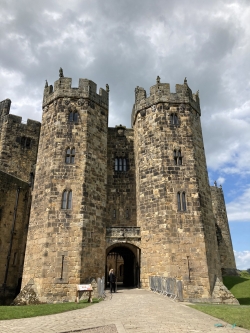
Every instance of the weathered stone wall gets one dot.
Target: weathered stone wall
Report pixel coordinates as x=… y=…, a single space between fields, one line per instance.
x=174 y=242
x=14 y=214
x=121 y=199
x=18 y=143
x=66 y=246
x=224 y=241
x=205 y=201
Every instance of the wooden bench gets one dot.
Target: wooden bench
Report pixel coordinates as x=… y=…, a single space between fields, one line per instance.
x=84 y=288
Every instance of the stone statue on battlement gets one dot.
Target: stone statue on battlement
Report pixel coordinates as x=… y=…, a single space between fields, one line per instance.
x=61 y=72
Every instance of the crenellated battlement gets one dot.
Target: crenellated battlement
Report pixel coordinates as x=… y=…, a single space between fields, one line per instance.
x=86 y=89
x=5 y=107
x=160 y=93
x=28 y=126
x=12 y=120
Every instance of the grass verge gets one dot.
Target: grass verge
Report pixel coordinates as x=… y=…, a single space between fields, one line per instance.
x=232 y=314
x=239 y=287
x=27 y=311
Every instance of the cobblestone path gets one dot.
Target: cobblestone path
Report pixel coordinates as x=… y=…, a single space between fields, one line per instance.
x=130 y=311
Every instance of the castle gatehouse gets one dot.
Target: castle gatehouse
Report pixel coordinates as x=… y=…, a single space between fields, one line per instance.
x=137 y=200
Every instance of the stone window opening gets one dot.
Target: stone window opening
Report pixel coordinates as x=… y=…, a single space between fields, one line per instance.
x=127 y=214
x=181 y=201
x=174 y=119
x=67 y=199
x=177 y=157
x=114 y=213
x=70 y=156
x=124 y=164
x=121 y=164
x=73 y=117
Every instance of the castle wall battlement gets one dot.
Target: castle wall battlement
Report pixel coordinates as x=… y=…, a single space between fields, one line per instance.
x=160 y=93
x=86 y=90
x=18 y=143
x=29 y=125
x=13 y=119
x=5 y=107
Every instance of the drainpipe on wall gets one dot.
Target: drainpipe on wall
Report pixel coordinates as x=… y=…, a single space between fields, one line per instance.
x=11 y=239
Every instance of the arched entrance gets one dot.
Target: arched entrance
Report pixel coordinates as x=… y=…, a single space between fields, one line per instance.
x=125 y=261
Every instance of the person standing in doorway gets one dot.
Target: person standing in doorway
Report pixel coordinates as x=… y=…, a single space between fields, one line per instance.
x=112 y=280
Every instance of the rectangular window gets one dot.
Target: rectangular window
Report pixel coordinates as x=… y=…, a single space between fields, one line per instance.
x=124 y=164
x=64 y=200
x=69 y=205
x=120 y=164
x=116 y=164
x=179 y=200
x=183 y=201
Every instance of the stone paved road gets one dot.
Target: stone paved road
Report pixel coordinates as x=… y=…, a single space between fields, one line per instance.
x=130 y=311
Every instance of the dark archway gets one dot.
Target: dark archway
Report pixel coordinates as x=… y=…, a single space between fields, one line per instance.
x=130 y=263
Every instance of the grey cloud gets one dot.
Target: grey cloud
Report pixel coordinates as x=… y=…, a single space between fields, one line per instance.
x=129 y=43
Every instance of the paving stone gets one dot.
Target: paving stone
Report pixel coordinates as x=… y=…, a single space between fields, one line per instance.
x=129 y=310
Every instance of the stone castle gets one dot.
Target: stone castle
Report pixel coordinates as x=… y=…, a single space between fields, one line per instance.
x=79 y=197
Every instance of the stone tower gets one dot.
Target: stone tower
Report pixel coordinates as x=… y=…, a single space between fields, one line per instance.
x=67 y=223
x=174 y=207
x=18 y=151
x=18 y=143
x=224 y=241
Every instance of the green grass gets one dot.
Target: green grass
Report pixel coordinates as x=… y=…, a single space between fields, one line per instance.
x=232 y=314
x=27 y=311
x=239 y=287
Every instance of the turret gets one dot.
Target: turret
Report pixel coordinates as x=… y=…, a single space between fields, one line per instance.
x=174 y=208
x=67 y=221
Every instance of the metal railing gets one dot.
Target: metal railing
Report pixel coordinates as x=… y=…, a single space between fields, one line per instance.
x=166 y=286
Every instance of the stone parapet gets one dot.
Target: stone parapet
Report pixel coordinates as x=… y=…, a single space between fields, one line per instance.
x=160 y=93
x=86 y=90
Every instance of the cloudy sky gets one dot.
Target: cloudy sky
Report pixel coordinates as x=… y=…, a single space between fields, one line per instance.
x=127 y=44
